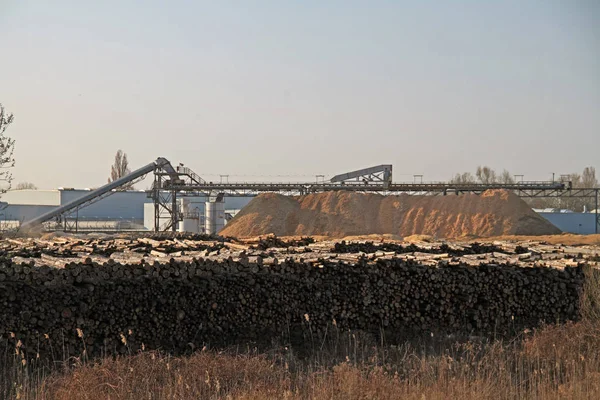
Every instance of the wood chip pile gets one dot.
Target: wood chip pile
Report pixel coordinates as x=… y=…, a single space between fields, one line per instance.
x=344 y=213
x=75 y=293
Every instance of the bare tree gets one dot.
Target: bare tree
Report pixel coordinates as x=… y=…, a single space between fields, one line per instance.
x=25 y=186
x=575 y=179
x=570 y=203
x=486 y=175
x=7 y=146
x=506 y=178
x=588 y=178
x=463 y=178
x=119 y=169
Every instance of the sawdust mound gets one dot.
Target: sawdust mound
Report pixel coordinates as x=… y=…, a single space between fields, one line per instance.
x=341 y=214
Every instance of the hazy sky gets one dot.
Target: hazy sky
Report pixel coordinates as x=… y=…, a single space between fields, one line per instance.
x=300 y=87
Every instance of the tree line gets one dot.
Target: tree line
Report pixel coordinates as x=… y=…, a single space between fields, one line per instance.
x=586 y=179
x=484 y=174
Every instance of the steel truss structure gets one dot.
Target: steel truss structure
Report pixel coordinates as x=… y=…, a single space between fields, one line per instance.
x=366 y=184
x=522 y=189
x=164 y=195
x=381 y=174
x=170 y=183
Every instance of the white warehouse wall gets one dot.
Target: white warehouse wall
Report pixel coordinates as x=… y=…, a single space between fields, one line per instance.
x=32 y=197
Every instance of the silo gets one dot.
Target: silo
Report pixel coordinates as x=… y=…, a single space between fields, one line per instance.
x=190 y=216
x=214 y=215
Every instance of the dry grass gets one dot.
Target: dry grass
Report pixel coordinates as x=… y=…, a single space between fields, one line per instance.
x=554 y=362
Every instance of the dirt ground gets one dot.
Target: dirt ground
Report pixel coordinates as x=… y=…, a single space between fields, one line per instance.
x=569 y=239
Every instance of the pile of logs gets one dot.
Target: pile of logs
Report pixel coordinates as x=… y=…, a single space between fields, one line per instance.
x=64 y=247
x=179 y=303
x=272 y=241
x=443 y=248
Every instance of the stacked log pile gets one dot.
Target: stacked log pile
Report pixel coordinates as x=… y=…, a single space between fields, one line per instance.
x=180 y=303
x=61 y=248
x=444 y=248
x=271 y=241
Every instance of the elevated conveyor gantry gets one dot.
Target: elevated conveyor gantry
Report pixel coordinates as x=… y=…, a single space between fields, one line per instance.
x=73 y=206
x=381 y=174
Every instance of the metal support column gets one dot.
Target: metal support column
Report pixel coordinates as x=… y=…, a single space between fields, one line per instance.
x=174 y=213
x=155 y=200
x=596 y=211
x=156 y=216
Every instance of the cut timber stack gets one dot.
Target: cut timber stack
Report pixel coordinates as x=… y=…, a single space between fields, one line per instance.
x=179 y=304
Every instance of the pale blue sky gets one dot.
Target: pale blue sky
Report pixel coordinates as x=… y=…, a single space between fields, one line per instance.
x=301 y=87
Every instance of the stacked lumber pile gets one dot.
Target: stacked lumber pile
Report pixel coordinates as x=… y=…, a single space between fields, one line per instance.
x=178 y=303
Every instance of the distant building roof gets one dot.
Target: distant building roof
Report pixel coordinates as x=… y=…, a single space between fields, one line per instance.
x=552 y=210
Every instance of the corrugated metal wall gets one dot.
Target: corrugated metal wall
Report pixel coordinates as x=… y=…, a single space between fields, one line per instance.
x=129 y=205
x=580 y=223
x=17 y=212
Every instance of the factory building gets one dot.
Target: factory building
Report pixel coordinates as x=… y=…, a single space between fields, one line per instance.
x=132 y=210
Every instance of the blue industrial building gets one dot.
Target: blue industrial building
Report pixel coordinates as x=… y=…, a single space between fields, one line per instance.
x=572 y=222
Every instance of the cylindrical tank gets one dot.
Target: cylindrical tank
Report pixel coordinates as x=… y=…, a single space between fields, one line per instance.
x=188 y=225
x=191 y=217
x=214 y=218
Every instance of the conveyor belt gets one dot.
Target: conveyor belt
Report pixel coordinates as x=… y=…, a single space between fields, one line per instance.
x=103 y=191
